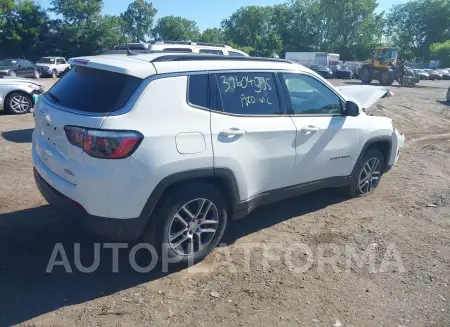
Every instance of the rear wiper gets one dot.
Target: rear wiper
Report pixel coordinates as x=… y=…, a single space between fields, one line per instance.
x=54 y=97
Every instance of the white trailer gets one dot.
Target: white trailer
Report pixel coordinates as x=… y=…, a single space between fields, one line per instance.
x=313 y=58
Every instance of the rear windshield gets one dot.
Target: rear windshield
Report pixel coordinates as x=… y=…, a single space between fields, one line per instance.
x=93 y=90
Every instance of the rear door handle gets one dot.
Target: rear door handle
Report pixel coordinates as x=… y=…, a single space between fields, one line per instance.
x=232 y=132
x=309 y=129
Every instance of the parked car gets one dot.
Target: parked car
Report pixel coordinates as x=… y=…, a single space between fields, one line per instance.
x=18 y=68
x=445 y=73
x=422 y=74
x=343 y=72
x=178 y=46
x=323 y=71
x=52 y=66
x=434 y=75
x=16 y=94
x=168 y=147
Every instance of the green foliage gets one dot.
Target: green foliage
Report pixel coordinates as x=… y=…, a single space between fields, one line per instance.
x=176 y=28
x=417 y=24
x=441 y=52
x=138 y=19
x=213 y=35
x=77 y=11
x=22 y=29
x=353 y=28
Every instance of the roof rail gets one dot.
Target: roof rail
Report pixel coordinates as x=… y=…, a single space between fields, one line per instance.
x=174 y=42
x=212 y=44
x=206 y=57
x=219 y=45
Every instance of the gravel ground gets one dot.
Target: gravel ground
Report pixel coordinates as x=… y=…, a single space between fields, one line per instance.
x=287 y=264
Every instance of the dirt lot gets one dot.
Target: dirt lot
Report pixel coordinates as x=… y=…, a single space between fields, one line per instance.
x=406 y=222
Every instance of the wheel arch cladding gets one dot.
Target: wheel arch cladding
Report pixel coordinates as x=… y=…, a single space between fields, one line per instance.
x=223 y=179
x=383 y=144
x=20 y=92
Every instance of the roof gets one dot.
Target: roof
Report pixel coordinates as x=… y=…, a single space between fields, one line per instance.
x=145 y=65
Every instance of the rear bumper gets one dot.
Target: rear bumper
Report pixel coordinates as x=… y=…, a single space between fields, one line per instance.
x=115 y=229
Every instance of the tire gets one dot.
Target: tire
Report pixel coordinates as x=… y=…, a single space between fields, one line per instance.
x=18 y=103
x=366 y=74
x=164 y=222
x=54 y=73
x=37 y=75
x=448 y=95
x=386 y=77
x=371 y=156
x=12 y=73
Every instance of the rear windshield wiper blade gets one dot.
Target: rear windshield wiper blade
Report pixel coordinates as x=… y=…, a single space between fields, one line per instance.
x=54 y=97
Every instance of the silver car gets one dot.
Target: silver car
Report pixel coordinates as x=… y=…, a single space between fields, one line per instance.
x=17 y=95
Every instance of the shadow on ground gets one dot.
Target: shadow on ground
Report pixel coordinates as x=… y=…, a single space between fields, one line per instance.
x=28 y=237
x=445 y=103
x=19 y=136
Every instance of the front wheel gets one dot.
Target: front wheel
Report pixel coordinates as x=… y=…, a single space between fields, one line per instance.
x=54 y=73
x=36 y=74
x=189 y=224
x=18 y=103
x=448 y=95
x=12 y=73
x=367 y=174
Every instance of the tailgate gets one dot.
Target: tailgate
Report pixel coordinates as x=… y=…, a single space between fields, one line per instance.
x=82 y=98
x=51 y=143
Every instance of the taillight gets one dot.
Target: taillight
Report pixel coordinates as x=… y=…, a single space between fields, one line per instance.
x=104 y=144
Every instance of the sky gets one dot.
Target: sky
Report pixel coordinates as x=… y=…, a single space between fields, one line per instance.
x=207 y=13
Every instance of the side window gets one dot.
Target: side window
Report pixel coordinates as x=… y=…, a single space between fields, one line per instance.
x=198 y=90
x=235 y=54
x=58 y=61
x=211 y=51
x=63 y=61
x=248 y=93
x=309 y=96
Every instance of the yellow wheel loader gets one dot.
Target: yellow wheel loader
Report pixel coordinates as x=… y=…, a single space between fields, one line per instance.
x=385 y=67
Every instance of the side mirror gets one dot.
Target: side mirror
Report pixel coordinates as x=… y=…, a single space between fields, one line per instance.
x=351 y=109
x=20 y=66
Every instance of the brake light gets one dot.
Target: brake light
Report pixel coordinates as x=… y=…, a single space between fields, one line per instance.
x=104 y=144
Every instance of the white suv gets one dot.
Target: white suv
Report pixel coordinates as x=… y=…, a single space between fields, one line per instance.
x=168 y=147
x=52 y=66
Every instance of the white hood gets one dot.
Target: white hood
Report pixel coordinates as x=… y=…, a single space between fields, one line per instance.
x=364 y=95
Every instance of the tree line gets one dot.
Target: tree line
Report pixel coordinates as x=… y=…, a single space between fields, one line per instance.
x=353 y=28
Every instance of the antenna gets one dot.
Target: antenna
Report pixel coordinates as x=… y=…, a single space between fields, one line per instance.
x=129 y=53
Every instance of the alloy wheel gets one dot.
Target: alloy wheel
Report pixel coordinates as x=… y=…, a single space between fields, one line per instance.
x=369 y=175
x=193 y=227
x=20 y=104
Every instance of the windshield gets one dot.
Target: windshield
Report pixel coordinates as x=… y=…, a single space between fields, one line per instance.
x=391 y=53
x=8 y=62
x=46 y=61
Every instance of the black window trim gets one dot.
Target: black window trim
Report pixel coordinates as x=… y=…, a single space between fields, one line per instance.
x=208 y=91
x=214 y=88
x=287 y=98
